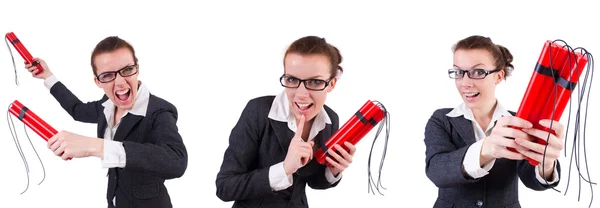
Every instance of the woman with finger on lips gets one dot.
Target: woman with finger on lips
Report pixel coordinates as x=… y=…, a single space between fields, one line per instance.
x=466 y=146
x=268 y=162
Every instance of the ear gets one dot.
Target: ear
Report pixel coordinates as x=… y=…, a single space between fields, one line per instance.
x=499 y=76
x=97 y=82
x=331 y=84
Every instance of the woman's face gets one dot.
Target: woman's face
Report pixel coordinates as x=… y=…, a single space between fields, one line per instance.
x=316 y=70
x=122 y=91
x=476 y=93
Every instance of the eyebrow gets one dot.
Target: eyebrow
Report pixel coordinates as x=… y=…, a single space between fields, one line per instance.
x=476 y=65
x=128 y=65
x=313 y=77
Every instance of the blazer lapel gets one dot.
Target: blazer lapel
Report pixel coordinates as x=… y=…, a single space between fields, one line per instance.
x=283 y=133
x=464 y=128
x=322 y=138
x=127 y=124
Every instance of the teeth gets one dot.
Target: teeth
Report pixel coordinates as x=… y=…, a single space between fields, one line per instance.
x=122 y=92
x=303 y=105
x=471 y=94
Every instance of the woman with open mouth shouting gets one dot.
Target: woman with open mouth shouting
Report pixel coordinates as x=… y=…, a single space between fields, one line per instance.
x=138 y=138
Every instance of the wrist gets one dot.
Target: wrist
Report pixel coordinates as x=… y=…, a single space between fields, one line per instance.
x=97 y=148
x=334 y=172
x=47 y=76
x=546 y=172
x=548 y=168
x=484 y=156
x=286 y=169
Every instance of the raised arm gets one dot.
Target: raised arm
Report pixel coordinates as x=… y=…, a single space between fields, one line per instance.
x=84 y=112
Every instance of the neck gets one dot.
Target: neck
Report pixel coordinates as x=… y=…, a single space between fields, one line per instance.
x=485 y=112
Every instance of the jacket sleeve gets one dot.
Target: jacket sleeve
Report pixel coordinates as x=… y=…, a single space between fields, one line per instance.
x=444 y=161
x=239 y=178
x=83 y=112
x=167 y=157
x=527 y=174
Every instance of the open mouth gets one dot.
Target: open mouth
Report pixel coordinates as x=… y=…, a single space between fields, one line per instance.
x=303 y=107
x=123 y=95
x=471 y=95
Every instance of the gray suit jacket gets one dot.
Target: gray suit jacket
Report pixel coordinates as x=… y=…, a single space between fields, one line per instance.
x=153 y=147
x=447 y=140
x=255 y=144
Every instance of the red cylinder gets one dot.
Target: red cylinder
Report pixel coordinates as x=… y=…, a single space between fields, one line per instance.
x=367 y=117
x=550 y=83
x=12 y=38
x=32 y=121
x=532 y=101
x=566 y=82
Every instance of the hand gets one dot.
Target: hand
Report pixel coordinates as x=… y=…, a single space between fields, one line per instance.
x=495 y=145
x=33 y=69
x=535 y=150
x=69 y=145
x=341 y=162
x=299 y=152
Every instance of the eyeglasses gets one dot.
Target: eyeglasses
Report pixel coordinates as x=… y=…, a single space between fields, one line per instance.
x=473 y=73
x=310 y=84
x=124 y=72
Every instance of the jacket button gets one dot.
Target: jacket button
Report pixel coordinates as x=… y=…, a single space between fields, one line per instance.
x=479 y=203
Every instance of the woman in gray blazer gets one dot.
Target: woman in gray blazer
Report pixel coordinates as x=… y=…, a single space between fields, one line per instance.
x=137 y=136
x=466 y=146
x=269 y=159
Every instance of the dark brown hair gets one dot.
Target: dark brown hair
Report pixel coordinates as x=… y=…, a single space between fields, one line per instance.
x=110 y=44
x=313 y=45
x=501 y=55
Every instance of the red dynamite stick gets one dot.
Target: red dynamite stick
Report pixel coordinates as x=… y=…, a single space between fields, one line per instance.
x=560 y=60
x=557 y=93
x=547 y=85
x=23 y=51
x=534 y=101
x=564 y=94
x=31 y=120
x=353 y=130
x=537 y=92
x=566 y=84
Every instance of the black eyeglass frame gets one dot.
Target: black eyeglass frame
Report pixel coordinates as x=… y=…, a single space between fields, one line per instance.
x=468 y=72
x=300 y=81
x=120 y=72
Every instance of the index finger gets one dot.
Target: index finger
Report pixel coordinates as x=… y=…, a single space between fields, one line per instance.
x=351 y=147
x=556 y=126
x=514 y=122
x=52 y=140
x=300 y=128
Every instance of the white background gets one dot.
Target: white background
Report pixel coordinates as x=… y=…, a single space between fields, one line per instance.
x=223 y=54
